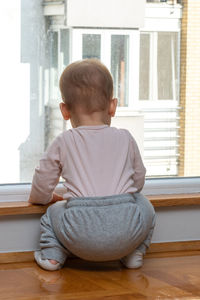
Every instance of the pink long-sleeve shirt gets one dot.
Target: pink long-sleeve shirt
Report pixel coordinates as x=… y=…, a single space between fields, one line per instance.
x=93 y=161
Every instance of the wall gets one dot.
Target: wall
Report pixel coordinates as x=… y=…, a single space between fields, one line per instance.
x=112 y=13
x=21 y=233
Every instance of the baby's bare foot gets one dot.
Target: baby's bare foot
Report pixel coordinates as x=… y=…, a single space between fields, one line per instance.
x=53 y=262
x=47 y=264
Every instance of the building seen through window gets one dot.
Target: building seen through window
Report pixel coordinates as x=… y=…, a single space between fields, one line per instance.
x=157 y=89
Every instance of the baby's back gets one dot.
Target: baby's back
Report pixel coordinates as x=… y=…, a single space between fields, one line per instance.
x=98 y=161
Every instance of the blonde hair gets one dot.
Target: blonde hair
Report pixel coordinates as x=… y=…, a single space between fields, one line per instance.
x=87 y=83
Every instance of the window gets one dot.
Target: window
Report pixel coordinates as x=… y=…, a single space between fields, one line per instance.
x=159 y=98
x=115 y=49
x=91 y=46
x=159 y=66
x=119 y=67
x=145 y=64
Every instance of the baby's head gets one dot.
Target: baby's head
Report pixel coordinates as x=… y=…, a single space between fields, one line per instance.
x=86 y=86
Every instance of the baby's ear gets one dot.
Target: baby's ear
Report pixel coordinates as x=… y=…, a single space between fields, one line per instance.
x=65 y=111
x=113 y=107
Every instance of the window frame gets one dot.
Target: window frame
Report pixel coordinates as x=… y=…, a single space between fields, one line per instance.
x=133 y=62
x=153 y=101
x=153 y=82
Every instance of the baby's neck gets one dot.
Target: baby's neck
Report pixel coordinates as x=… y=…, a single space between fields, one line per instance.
x=93 y=119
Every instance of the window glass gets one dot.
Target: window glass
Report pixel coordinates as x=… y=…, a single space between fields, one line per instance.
x=91 y=46
x=158 y=66
x=53 y=68
x=119 y=67
x=64 y=47
x=52 y=122
x=144 y=91
x=58 y=57
x=21 y=107
x=167 y=65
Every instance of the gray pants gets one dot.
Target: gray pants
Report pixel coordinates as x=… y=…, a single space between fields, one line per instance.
x=97 y=228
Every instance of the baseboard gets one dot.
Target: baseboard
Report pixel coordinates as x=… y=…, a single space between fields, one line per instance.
x=156 y=250
x=16 y=257
x=174 y=249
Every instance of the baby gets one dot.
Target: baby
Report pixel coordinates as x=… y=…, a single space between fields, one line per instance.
x=101 y=216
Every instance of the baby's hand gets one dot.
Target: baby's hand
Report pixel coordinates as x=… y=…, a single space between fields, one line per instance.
x=30 y=200
x=56 y=198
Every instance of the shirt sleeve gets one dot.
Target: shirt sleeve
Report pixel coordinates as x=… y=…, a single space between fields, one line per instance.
x=139 y=169
x=46 y=175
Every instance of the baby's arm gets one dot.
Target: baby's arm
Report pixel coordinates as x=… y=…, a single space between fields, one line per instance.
x=56 y=198
x=46 y=177
x=140 y=170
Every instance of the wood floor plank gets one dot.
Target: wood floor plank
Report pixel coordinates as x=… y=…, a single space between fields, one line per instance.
x=159 y=278
x=179 y=274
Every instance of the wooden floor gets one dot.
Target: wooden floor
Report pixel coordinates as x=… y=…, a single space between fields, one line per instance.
x=159 y=278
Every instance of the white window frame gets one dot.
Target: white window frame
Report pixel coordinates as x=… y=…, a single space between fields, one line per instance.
x=153 y=101
x=134 y=104
x=161 y=18
x=76 y=54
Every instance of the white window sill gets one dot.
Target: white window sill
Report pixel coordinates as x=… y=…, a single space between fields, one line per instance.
x=175 y=185
x=20 y=192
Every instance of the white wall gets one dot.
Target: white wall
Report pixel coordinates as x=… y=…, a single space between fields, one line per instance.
x=21 y=233
x=106 y=13
x=177 y=224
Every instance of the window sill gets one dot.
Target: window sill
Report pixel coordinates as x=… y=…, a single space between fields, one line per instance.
x=171 y=200
x=20 y=208
x=175 y=200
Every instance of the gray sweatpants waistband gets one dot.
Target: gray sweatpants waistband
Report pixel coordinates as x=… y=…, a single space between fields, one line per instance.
x=100 y=201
